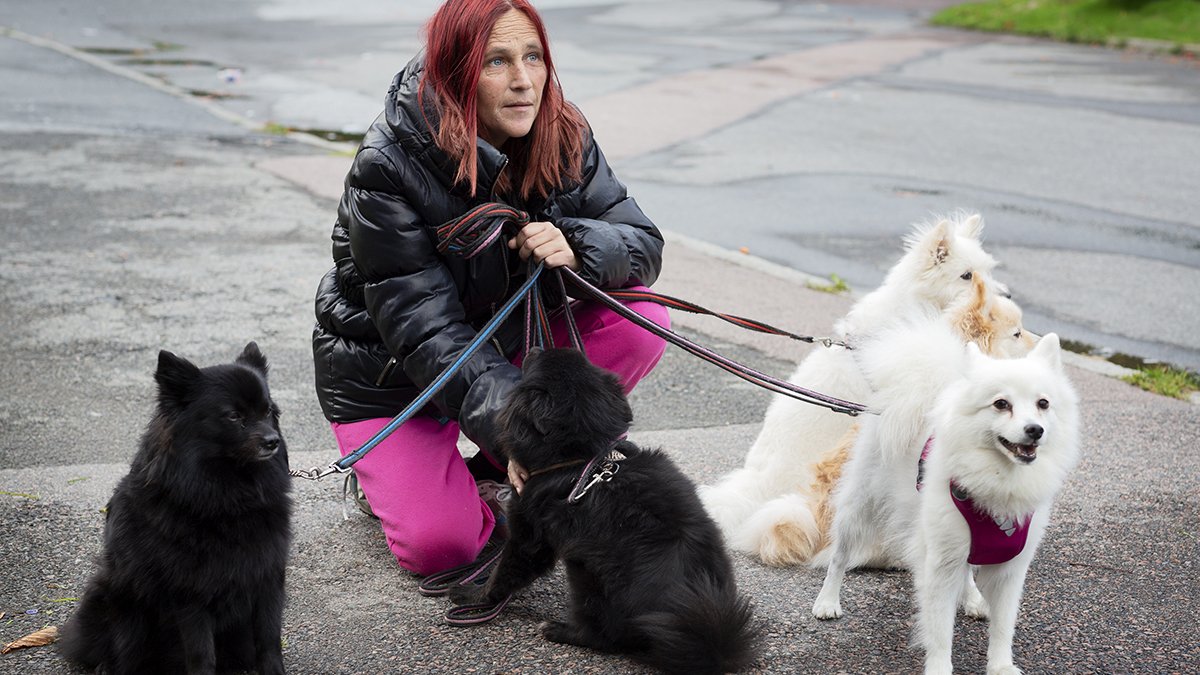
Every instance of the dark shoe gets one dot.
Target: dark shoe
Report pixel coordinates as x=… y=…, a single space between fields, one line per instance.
x=497 y=496
x=352 y=489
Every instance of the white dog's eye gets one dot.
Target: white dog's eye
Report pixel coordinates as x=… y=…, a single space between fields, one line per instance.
x=1000 y=404
x=1017 y=335
x=966 y=276
x=1043 y=403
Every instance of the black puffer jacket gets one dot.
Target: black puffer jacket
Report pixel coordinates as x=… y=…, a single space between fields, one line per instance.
x=391 y=294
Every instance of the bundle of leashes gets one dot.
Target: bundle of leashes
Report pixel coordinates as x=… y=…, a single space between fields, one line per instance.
x=472 y=233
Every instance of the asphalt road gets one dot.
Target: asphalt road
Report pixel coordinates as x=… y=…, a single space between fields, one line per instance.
x=134 y=220
x=811 y=134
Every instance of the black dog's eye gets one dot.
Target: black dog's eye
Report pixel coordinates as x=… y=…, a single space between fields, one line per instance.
x=966 y=276
x=234 y=416
x=1000 y=404
x=1043 y=403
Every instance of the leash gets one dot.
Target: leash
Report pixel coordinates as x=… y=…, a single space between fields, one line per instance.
x=479 y=228
x=634 y=295
x=746 y=373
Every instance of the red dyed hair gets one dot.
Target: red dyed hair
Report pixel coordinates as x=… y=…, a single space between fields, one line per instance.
x=548 y=156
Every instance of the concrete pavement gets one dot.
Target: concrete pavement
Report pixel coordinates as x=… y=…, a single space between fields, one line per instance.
x=129 y=230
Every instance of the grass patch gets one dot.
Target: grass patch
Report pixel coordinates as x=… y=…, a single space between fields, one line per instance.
x=1165 y=380
x=22 y=495
x=276 y=128
x=1088 y=21
x=836 y=285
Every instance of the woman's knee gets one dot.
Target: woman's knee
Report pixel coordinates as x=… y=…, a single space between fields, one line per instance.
x=647 y=345
x=427 y=550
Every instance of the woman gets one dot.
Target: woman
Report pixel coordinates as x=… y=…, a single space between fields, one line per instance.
x=480 y=117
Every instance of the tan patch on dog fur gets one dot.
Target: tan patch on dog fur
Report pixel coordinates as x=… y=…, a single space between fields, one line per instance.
x=788 y=544
x=984 y=320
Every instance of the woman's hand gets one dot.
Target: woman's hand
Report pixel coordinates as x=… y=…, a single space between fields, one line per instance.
x=546 y=244
x=517 y=475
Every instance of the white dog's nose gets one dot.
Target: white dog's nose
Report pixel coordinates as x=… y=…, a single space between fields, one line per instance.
x=1033 y=431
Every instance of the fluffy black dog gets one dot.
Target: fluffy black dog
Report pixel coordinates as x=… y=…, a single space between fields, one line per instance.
x=191 y=578
x=647 y=567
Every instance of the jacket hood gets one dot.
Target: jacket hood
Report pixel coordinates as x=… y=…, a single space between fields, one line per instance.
x=414 y=127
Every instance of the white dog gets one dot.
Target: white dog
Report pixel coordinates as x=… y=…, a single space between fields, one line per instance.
x=761 y=507
x=989 y=458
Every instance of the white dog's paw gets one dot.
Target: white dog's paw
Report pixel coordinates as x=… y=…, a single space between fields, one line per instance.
x=974 y=605
x=1003 y=669
x=938 y=664
x=825 y=609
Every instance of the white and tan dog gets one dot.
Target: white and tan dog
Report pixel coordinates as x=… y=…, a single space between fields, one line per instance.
x=764 y=508
x=990 y=457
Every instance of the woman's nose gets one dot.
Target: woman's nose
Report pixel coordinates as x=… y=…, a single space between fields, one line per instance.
x=520 y=77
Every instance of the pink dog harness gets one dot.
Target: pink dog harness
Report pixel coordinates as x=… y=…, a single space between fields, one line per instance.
x=993 y=541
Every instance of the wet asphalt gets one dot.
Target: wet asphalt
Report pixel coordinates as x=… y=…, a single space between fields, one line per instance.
x=133 y=220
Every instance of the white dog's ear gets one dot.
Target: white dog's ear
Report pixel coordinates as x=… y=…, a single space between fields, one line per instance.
x=941 y=240
x=974 y=354
x=972 y=227
x=1049 y=350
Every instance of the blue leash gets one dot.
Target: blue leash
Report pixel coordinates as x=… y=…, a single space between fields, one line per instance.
x=478 y=229
x=343 y=465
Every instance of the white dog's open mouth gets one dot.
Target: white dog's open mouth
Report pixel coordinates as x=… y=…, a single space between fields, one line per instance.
x=1023 y=452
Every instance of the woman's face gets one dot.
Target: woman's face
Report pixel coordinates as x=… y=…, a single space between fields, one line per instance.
x=510 y=86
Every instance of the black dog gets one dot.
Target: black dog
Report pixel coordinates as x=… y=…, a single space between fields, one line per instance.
x=196 y=540
x=647 y=567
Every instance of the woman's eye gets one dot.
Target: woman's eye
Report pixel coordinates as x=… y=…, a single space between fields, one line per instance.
x=533 y=57
x=496 y=62
x=966 y=276
x=1000 y=404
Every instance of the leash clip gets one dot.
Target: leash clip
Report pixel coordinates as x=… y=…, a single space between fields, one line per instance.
x=607 y=470
x=317 y=473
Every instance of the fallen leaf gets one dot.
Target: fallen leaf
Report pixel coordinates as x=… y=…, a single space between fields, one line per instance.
x=38 y=639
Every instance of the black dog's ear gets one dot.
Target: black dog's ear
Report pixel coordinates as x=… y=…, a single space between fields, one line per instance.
x=176 y=378
x=253 y=358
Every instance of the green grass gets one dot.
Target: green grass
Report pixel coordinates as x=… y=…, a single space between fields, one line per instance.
x=836 y=285
x=1165 y=380
x=1088 y=21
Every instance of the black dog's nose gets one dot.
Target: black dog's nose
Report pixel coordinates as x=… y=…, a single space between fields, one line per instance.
x=1033 y=431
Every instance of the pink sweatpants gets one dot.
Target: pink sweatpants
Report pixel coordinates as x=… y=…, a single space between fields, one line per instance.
x=417 y=481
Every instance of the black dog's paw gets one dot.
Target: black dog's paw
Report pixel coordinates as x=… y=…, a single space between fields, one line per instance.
x=467 y=595
x=557 y=631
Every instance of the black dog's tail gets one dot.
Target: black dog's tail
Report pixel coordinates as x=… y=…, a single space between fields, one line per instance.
x=85 y=639
x=707 y=628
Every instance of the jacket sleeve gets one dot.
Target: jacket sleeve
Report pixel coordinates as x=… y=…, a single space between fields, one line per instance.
x=616 y=244
x=413 y=300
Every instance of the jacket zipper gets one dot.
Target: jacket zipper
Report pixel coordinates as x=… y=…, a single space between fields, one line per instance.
x=393 y=361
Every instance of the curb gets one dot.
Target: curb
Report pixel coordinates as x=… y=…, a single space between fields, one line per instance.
x=170 y=89
x=802 y=279
x=1156 y=46
x=1092 y=364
